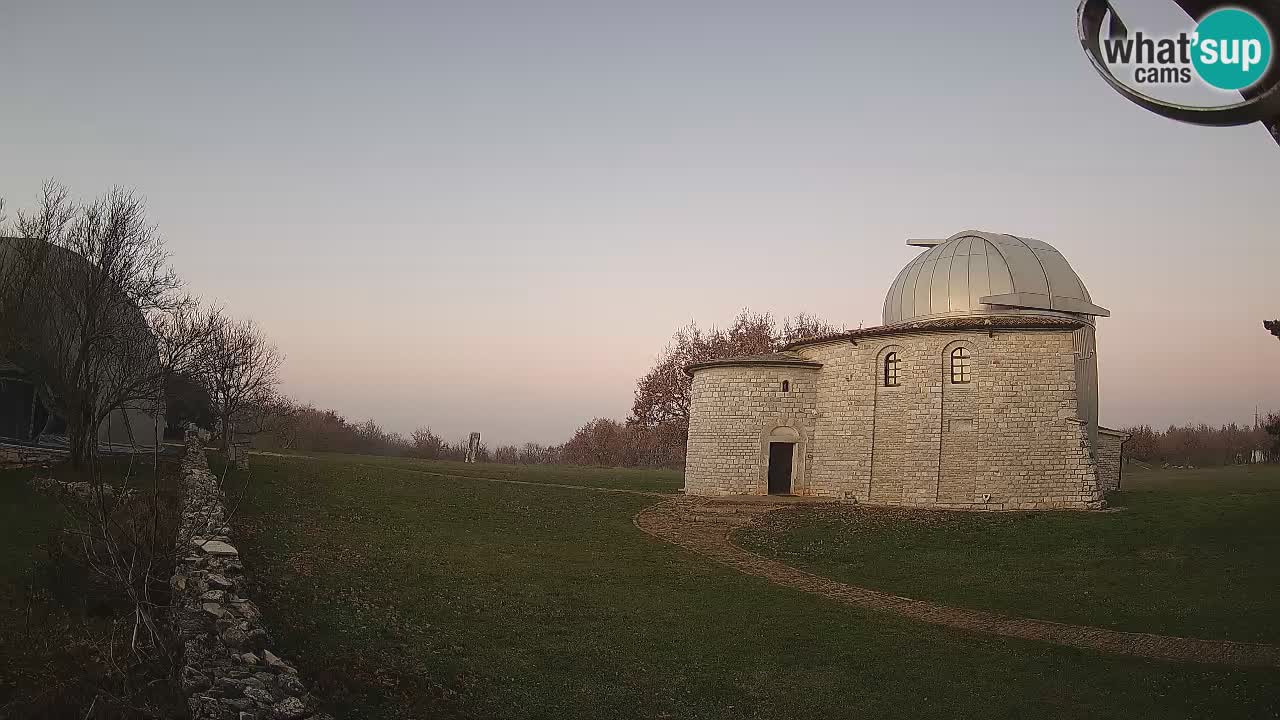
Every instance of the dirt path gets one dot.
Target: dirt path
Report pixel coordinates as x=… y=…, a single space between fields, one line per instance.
x=703 y=525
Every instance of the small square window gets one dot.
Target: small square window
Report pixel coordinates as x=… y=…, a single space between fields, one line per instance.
x=786 y=386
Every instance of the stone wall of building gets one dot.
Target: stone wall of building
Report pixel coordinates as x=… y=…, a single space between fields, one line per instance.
x=733 y=413
x=229 y=671
x=1006 y=440
x=1110 y=444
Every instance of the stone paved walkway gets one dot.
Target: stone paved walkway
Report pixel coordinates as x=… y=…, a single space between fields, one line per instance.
x=703 y=525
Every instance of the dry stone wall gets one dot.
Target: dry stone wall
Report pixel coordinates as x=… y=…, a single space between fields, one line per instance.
x=1009 y=439
x=229 y=671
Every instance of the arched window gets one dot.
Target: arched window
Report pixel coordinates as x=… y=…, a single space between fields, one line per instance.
x=786 y=386
x=960 y=366
x=891 y=370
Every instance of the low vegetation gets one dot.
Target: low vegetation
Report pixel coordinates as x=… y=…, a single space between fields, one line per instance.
x=68 y=646
x=1185 y=553
x=1205 y=445
x=638 y=479
x=404 y=593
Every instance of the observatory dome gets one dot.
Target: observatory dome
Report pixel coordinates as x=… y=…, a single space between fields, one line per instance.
x=983 y=273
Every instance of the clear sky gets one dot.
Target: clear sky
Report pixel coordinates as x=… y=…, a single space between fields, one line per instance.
x=492 y=215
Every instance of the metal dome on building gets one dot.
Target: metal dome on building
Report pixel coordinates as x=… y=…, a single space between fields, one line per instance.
x=982 y=273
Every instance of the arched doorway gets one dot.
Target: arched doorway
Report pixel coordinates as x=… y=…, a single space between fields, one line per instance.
x=782 y=450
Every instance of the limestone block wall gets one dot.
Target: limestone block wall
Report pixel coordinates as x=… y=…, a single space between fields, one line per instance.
x=844 y=412
x=1009 y=439
x=906 y=429
x=960 y=434
x=1034 y=451
x=1109 y=459
x=733 y=412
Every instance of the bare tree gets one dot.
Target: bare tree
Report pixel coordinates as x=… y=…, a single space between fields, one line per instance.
x=241 y=368
x=83 y=286
x=281 y=420
x=427 y=444
x=662 y=395
x=602 y=442
x=90 y=308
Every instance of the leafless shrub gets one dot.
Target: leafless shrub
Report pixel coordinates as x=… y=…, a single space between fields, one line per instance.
x=110 y=561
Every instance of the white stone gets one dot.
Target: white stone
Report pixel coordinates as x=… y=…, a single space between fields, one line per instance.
x=218 y=547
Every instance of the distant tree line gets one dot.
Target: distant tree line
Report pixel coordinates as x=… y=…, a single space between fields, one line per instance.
x=655 y=435
x=1205 y=445
x=600 y=442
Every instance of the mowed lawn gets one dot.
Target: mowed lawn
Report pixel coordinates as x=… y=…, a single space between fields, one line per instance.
x=644 y=480
x=1187 y=552
x=405 y=594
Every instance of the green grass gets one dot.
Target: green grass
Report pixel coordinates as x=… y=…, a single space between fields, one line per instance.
x=645 y=480
x=1190 y=552
x=54 y=615
x=27 y=519
x=403 y=594
x=1211 y=480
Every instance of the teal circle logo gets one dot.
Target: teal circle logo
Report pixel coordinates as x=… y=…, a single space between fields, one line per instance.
x=1232 y=49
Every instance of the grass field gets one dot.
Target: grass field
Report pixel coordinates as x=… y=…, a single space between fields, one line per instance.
x=55 y=617
x=1189 y=552
x=409 y=594
x=646 y=480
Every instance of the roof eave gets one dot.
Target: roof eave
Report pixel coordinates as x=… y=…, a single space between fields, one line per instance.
x=970 y=323
x=691 y=368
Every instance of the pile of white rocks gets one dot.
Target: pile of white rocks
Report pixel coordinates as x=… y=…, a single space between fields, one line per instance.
x=229 y=671
x=80 y=490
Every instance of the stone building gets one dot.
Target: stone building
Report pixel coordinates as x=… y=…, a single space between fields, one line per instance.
x=980 y=391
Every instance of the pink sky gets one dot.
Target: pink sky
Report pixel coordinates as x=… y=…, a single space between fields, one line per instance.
x=492 y=217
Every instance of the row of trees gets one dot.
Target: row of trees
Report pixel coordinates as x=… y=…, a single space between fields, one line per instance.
x=1202 y=445
x=93 y=316
x=655 y=435
x=291 y=426
x=659 y=417
x=92 y=311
